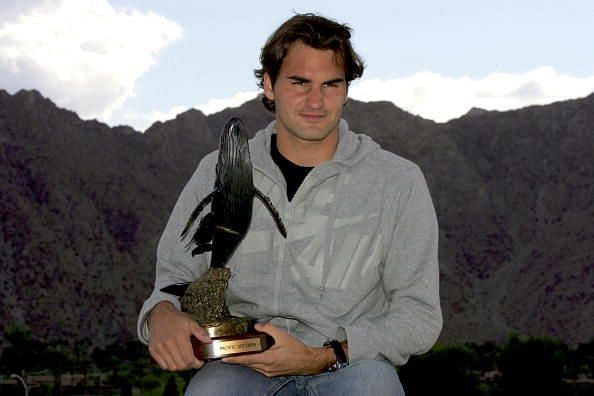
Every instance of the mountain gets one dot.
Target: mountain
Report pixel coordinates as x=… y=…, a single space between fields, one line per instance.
x=518 y=230
x=83 y=207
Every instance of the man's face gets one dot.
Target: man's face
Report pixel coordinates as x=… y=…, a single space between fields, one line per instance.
x=309 y=94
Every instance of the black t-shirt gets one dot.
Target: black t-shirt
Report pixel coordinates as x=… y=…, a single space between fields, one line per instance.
x=293 y=173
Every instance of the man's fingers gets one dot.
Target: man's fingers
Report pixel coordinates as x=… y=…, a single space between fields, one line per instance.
x=180 y=355
x=262 y=371
x=244 y=360
x=261 y=367
x=158 y=359
x=190 y=359
x=169 y=338
x=264 y=327
x=197 y=364
x=253 y=359
x=162 y=356
x=200 y=333
x=175 y=354
x=269 y=329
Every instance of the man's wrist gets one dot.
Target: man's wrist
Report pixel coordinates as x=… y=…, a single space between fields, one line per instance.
x=330 y=358
x=339 y=350
x=160 y=306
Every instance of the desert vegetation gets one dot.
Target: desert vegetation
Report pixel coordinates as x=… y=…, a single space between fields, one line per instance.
x=521 y=366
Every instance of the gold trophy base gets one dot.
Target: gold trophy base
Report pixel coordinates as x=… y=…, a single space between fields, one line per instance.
x=234 y=337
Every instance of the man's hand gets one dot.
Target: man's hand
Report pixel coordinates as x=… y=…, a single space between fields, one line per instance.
x=288 y=356
x=169 y=338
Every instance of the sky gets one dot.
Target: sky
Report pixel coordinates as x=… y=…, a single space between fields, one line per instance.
x=134 y=62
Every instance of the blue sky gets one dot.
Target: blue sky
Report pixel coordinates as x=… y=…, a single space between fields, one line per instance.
x=137 y=61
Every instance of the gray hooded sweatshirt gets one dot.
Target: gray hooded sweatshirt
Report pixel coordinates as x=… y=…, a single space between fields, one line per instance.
x=359 y=261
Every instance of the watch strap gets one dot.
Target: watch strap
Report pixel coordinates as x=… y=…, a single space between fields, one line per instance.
x=341 y=358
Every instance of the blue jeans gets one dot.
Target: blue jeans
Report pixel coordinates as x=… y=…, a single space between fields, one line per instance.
x=367 y=377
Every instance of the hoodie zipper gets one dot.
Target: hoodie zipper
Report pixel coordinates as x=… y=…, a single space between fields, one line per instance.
x=279 y=266
x=287 y=219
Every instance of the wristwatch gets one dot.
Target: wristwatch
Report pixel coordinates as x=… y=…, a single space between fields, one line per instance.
x=341 y=359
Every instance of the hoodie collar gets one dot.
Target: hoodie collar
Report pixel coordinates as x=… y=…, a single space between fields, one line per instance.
x=351 y=148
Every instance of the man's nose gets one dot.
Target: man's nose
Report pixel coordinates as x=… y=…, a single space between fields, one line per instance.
x=315 y=97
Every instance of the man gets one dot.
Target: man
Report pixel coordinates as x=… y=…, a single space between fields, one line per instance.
x=357 y=274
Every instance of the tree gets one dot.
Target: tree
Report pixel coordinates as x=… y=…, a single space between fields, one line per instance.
x=171 y=387
x=448 y=370
x=22 y=351
x=532 y=366
x=580 y=361
x=82 y=362
x=59 y=360
x=108 y=358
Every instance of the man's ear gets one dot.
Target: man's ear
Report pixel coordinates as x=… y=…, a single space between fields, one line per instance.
x=267 y=85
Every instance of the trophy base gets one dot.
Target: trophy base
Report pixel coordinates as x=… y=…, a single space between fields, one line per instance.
x=234 y=337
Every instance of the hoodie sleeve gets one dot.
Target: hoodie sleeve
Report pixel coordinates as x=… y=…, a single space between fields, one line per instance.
x=175 y=264
x=410 y=280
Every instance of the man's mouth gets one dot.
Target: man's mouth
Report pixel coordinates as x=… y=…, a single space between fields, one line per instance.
x=311 y=116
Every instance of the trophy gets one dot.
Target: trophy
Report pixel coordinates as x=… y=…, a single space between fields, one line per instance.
x=220 y=231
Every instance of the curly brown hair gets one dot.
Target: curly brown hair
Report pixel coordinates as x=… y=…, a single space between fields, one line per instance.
x=315 y=31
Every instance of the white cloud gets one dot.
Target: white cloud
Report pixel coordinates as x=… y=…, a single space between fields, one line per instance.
x=141 y=121
x=83 y=54
x=441 y=98
x=12 y=9
x=431 y=95
x=215 y=105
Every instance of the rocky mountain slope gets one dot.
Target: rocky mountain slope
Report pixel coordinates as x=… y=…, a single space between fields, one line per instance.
x=83 y=205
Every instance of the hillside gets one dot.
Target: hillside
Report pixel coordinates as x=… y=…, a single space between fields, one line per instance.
x=83 y=206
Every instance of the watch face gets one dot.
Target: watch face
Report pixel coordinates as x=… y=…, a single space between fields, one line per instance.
x=337 y=366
